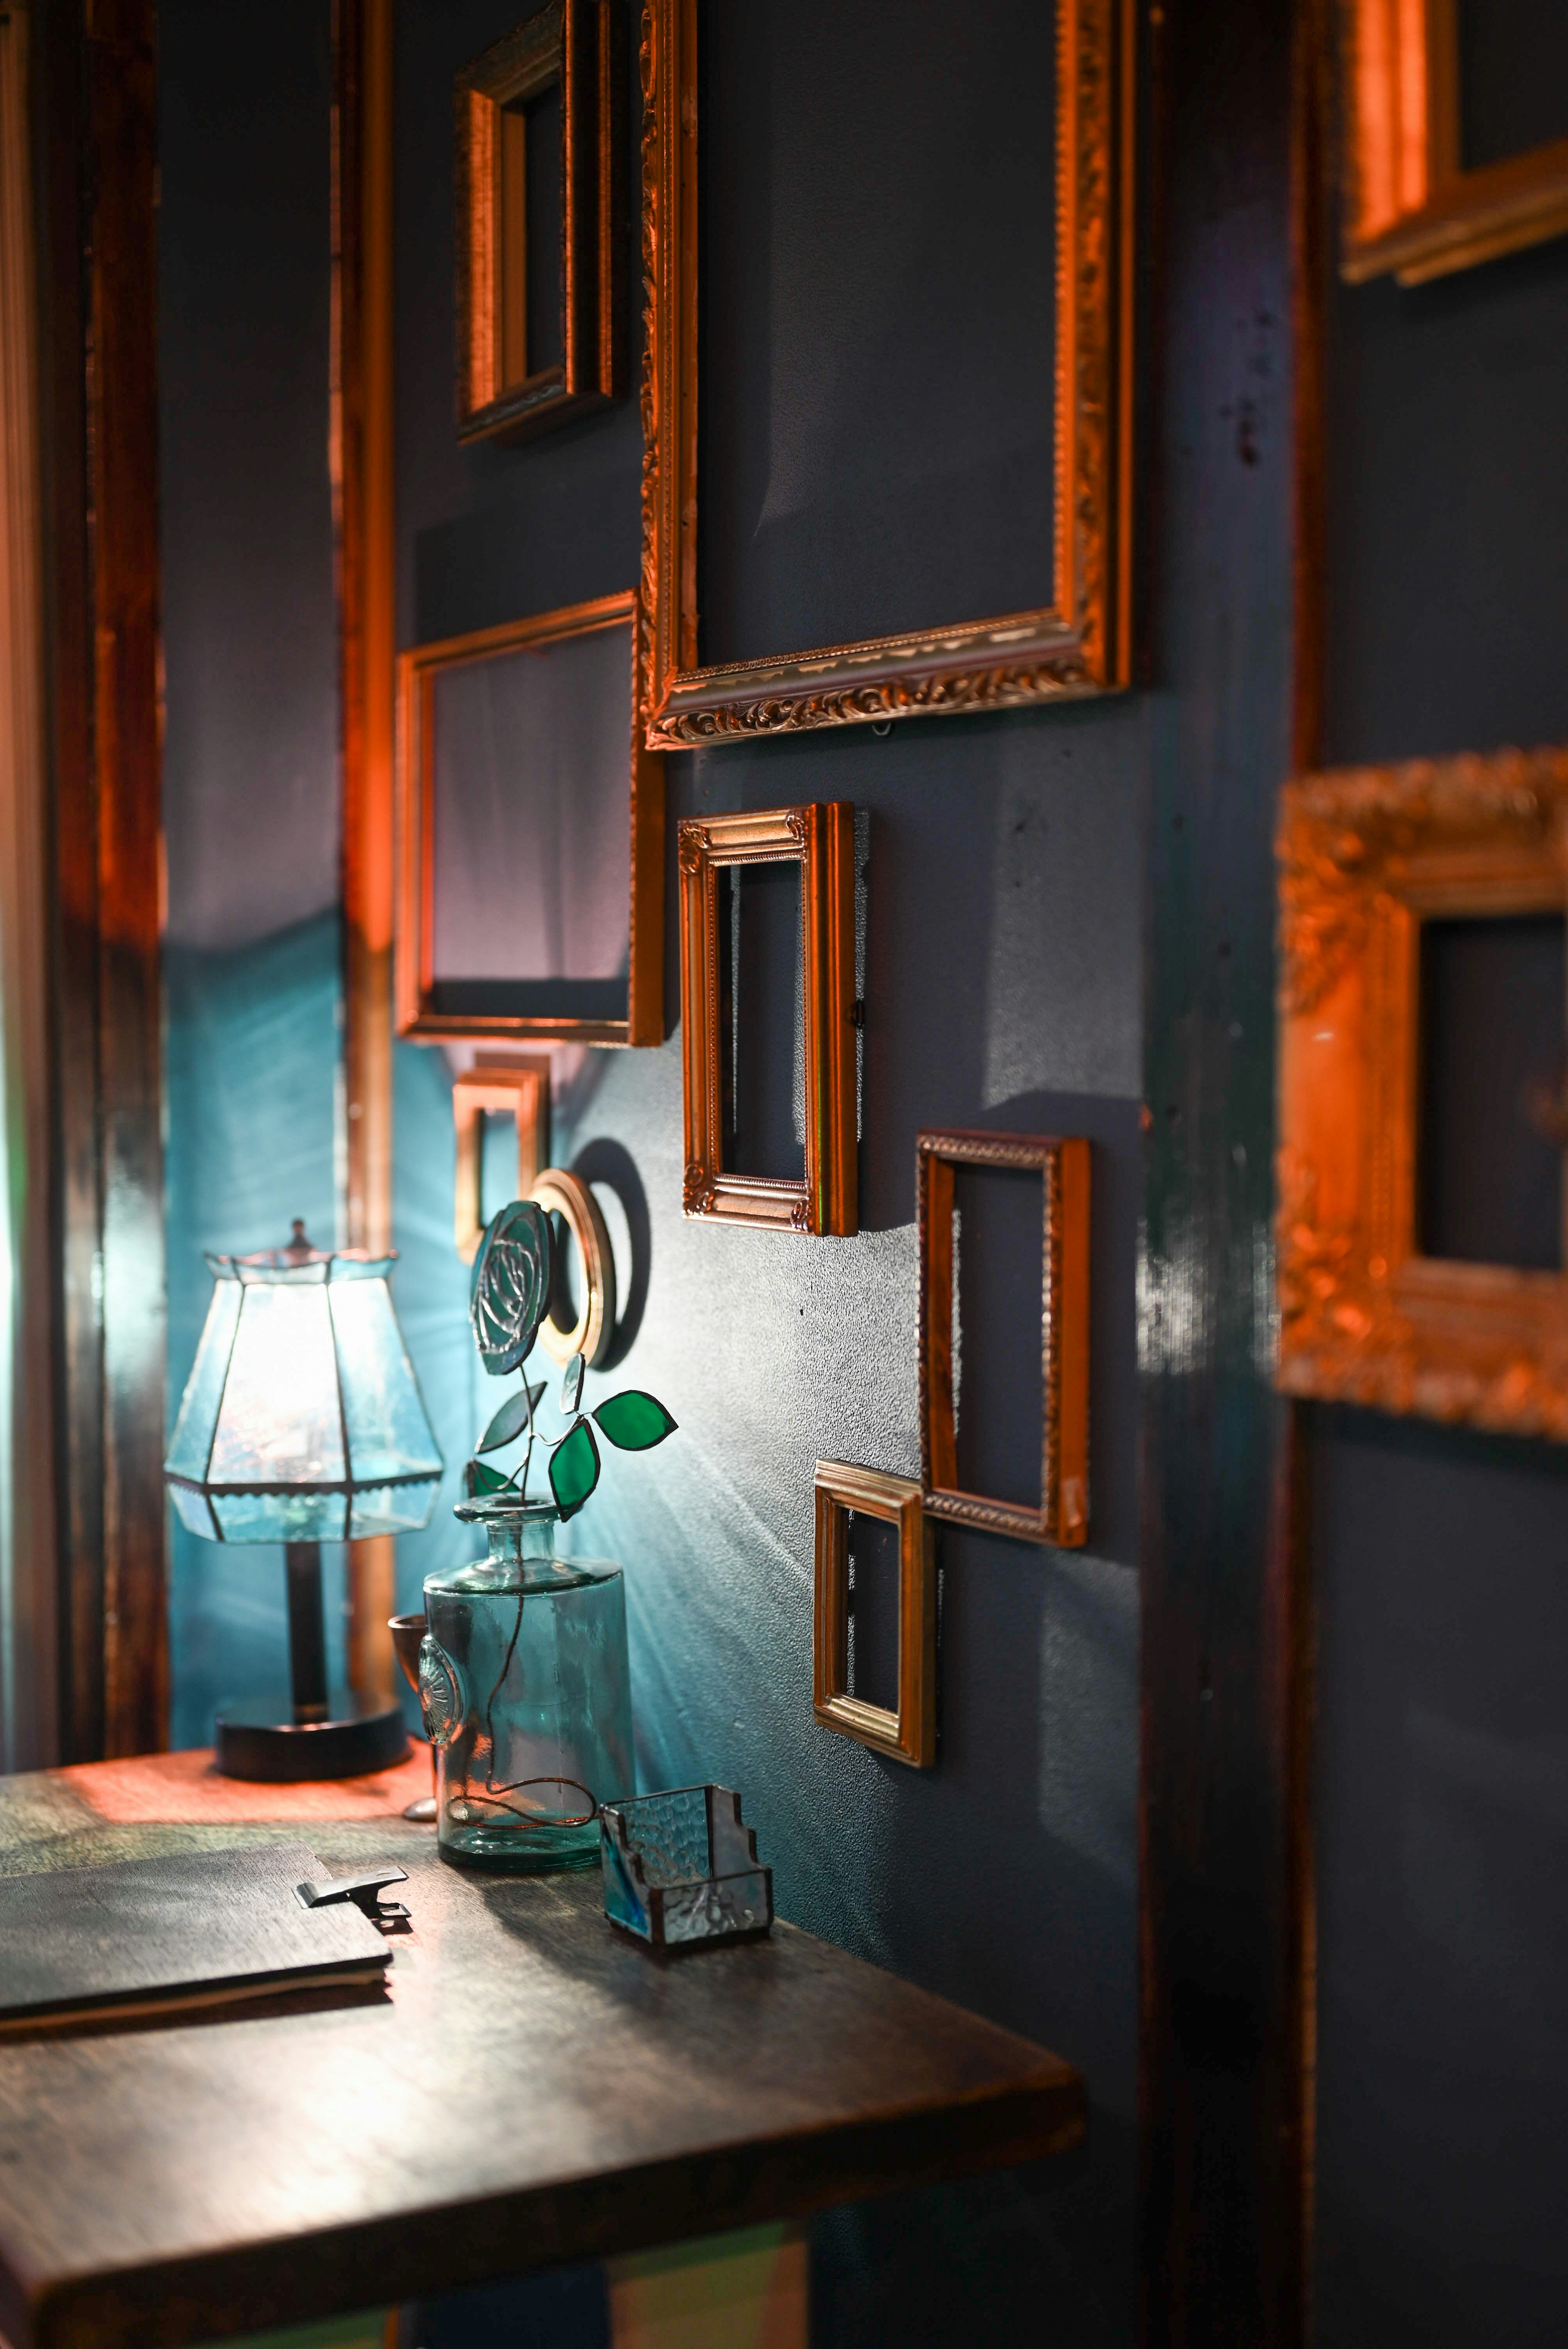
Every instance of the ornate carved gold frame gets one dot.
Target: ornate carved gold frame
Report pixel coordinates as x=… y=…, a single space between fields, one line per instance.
x=1364 y=855
x=909 y=1734
x=1063 y=1164
x=1080 y=644
x=581 y=44
x=519 y=1089
x=820 y=839
x=1411 y=207
x=415 y=942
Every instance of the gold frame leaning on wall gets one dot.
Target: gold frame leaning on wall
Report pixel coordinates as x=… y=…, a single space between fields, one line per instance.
x=1411 y=206
x=1080 y=643
x=1366 y=855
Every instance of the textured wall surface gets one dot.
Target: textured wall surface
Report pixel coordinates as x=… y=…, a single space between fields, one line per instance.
x=1443 y=1732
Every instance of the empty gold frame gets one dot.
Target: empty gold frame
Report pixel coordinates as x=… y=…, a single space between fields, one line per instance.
x=1367 y=858
x=1063 y=1166
x=820 y=838
x=1080 y=642
x=519 y=1089
x=910 y=1733
x=1411 y=207
x=575 y=729
x=507 y=389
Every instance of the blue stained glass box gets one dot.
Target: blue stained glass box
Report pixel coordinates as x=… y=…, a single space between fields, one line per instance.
x=681 y=1867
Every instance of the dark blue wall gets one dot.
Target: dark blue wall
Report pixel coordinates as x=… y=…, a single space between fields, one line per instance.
x=1442 y=1772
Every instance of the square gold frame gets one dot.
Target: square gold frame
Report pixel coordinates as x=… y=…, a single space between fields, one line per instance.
x=820 y=839
x=1080 y=644
x=581 y=44
x=910 y=1733
x=1063 y=1164
x=1365 y=854
x=1411 y=207
x=414 y=972
x=519 y=1089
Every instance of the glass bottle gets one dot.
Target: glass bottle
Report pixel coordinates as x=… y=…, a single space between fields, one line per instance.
x=525 y=1687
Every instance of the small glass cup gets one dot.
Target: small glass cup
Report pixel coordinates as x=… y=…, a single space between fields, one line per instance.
x=407 y=1634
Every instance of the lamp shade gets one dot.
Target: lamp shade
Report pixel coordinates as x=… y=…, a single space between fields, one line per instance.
x=302 y=1419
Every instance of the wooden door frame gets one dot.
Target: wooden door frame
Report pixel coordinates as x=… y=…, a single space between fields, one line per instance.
x=95 y=184
x=363 y=515
x=1226 y=1866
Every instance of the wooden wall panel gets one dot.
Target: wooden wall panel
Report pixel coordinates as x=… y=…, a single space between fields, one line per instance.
x=362 y=465
x=96 y=182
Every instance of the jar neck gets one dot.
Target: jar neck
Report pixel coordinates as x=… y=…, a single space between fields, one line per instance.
x=523 y=1535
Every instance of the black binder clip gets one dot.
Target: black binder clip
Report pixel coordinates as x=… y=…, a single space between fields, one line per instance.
x=387 y=1916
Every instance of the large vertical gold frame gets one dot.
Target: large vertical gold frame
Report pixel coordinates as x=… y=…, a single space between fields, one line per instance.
x=1080 y=643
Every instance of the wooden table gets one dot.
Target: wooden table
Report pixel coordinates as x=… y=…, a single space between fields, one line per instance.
x=534 y=2087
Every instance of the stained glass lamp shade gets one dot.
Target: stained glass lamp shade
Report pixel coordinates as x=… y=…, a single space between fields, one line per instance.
x=302 y=1423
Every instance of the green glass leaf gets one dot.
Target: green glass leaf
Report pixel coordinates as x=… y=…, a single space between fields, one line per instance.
x=635 y=1422
x=574 y=1469
x=511 y=1418
x=480 y=1480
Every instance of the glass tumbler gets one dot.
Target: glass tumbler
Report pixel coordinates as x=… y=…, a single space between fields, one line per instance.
x=524 y=1688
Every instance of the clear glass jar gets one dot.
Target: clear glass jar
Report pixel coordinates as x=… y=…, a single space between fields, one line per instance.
x=525 y=1687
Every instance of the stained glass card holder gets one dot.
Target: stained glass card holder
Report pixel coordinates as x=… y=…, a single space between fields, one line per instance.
x=681 y=1867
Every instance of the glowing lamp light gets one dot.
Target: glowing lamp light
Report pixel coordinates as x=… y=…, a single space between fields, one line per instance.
x=302 y=1423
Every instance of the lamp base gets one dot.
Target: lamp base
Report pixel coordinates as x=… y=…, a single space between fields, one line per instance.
x=258 y=1737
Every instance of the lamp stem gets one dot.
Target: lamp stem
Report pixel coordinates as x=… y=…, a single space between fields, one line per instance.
x=307 y=1631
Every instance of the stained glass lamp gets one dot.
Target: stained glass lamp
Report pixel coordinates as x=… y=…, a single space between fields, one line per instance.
x=302 y=1423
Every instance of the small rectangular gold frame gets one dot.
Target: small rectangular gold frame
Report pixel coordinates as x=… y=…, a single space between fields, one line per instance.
x=910 y=1733
x=1410 y=205
x=519 y=1089
x=1366 y=855
x=1063 y=1166
x=820 y=838
x=414 y=959
x=500 y=394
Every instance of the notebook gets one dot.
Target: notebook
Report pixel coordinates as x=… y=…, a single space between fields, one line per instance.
x=161 y=1936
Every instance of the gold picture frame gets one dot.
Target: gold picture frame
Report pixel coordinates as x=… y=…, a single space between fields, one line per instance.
x=580 y=46
x=1366 y=855
x=415 y=982
x=820 y=839
x=519 y=1089
x=1082 y=643
x=1063 y=1164
x=909 y=1733
x=1411 y=206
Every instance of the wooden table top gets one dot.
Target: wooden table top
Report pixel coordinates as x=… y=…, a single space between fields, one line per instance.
x=534 y=2087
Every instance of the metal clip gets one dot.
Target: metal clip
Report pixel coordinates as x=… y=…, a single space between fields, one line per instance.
x=364 y=1892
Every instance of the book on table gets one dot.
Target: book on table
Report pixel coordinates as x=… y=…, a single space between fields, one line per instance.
x=170 y=1934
